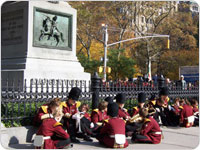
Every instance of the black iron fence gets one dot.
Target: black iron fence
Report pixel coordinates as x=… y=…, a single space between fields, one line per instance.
x=20 y=101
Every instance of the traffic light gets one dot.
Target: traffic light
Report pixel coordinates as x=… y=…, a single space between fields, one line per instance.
x=108 y=70
x=168 y=44
x=100 y=69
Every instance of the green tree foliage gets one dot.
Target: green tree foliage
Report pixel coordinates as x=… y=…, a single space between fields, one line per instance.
x=121 y=65
x=183 y=30
x=90 y=65
x=121 y=18
x=172 y=60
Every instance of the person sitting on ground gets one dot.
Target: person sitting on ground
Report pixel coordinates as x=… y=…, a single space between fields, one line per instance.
x=165 y=112
x=120 y=100
x=194 y=104
x=45 y=111
x=112 y=134
x=70 y=109
x=152 y=100
x=150 y=132
x=163 y=94
x=100 y=114
x=86 y=127
x=176 y=106
x=159 y=111
x=51 y=131
x=134 y=123
x=175 y=115
x=186 y=114
x=141 y=102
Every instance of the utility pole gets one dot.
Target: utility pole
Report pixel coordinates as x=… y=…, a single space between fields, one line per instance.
x=105 y=39
x=106 y=45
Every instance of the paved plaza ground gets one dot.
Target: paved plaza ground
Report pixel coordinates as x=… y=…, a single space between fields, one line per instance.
x=174 y=138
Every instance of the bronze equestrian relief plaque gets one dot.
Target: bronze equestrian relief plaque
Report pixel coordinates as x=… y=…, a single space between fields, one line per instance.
x=52 y=29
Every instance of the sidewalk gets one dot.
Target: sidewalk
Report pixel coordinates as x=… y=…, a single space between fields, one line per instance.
x=174 y=138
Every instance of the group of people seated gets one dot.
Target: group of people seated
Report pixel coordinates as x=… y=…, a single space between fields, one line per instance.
x=62 y=123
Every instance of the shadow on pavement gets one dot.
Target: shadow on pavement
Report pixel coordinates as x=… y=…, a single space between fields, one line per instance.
x=22 y=146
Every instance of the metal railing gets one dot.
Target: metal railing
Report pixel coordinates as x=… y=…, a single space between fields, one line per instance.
x=20 y=101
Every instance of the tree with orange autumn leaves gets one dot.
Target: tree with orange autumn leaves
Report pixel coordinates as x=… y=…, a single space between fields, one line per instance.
x=181 y=27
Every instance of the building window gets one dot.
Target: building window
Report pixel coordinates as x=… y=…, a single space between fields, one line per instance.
x=150 y=21
x=194 y=8
x=160 y=11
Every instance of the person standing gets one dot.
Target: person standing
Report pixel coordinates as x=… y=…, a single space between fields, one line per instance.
x=183 y=83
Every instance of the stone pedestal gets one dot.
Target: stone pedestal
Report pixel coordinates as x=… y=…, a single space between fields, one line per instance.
x=35 y=49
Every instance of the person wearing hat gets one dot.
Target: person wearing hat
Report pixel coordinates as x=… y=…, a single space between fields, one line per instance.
x=141 y=102
x=109 y=99
x=152 y=100
x=163 y=94
x=163 y=114
x=181 y=84
x=167 y=109
x=70 y=109
x=120 y=100
x=150 y=131
x=112 y=134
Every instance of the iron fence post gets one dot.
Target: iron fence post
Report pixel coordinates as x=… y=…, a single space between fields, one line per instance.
x=140 y=82
x=95 y=86
x=161 y=82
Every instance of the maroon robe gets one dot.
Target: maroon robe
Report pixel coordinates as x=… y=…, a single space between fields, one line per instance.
x=87 y=116
x=71 y=109
x=186 y=112
x=123 y=113
x=98 y=116
x=195 y=109
x=50 y=127
x=113 y=126
x=177 y=109
x=44 y=109
x=151 y=130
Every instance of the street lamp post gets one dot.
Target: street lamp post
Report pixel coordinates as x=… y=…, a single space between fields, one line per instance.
x=105 y=39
